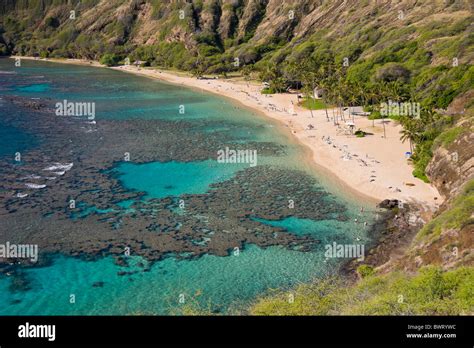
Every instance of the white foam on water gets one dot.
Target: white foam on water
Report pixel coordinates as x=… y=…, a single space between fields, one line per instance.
x=21 y=195
x=60 y=166
x=31 y=176
x=35 y=186
x=59 y=173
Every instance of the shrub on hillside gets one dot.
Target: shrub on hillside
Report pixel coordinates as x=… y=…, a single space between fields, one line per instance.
x=109 y=59
x=393 y=72
x=52 y=22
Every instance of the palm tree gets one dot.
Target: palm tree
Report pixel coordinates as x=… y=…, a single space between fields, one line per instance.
x=362 y=93
x=372 y=97
x=324 y=86
x=353 y=100
x=197 y=69
x=410 y=132
x=323 y=74
x=407 y=135
x=247 y=72
x=332 y=98
x=278 y=84
x=307 y=91
x=393 y=90
x=428 y=116
x=310 y=77
x=337 y=99
x=329 y=93
x=383 y=91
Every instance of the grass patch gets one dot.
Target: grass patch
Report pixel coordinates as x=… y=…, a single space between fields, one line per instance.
x=447 y=137
x=365 y=271
x=268 y=90
x=313 y=104
x=430 y=292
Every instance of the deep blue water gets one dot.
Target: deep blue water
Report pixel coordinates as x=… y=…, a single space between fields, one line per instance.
x=12 y=138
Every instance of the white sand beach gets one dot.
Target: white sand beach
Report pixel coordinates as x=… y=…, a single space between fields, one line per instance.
x=373 y=166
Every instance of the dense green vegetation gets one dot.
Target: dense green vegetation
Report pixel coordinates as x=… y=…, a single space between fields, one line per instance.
x=430 y=292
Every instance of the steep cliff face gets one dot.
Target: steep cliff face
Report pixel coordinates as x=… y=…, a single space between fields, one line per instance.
x=453 y=161
x=447 y=240
x=452 y=165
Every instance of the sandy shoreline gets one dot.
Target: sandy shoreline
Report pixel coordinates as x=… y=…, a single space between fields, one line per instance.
x=373 y=166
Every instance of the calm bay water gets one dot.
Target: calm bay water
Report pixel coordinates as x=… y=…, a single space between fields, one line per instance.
x=222 y=283
x=174 y=178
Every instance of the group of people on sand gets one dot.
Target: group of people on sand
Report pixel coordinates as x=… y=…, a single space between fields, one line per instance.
x=327 y=139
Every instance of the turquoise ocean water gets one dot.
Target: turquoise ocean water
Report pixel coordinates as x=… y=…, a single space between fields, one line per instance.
x=221 y=283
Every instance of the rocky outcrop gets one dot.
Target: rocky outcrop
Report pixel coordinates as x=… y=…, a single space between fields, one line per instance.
x=447 y=240
x=453 y=165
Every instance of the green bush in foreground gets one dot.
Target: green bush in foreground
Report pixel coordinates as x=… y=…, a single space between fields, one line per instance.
x=430 y=292
x=365 y=270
